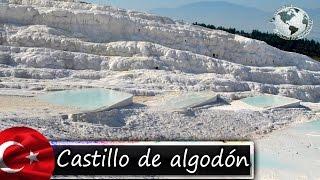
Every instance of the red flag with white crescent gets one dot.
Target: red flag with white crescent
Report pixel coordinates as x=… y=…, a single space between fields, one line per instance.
x=25 y=154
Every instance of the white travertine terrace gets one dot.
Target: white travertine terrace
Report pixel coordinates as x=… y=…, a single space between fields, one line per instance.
x=46 y=41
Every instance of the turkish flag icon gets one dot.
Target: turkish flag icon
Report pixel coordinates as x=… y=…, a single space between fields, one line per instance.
x=25 y=154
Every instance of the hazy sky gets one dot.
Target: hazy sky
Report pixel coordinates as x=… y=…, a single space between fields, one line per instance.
x=266 y=5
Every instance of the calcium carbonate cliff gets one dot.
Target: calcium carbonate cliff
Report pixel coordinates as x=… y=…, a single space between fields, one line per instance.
x=78 y=43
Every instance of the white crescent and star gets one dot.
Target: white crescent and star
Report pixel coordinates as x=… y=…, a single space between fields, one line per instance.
x=3 y=147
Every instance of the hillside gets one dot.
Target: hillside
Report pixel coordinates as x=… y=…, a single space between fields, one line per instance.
x=307 y=47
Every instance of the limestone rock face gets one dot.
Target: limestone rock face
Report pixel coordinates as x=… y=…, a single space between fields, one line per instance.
x=72 y=43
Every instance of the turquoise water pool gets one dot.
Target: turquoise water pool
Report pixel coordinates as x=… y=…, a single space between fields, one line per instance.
x=266 y=101
x=309 y=127
x=86 y=99
x=265 y=160
x=188 y=100
x=309 y=132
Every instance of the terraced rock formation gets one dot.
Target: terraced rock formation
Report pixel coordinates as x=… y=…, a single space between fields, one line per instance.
x=45 y=44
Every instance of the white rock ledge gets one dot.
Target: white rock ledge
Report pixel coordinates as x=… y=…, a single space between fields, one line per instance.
x=49 y=42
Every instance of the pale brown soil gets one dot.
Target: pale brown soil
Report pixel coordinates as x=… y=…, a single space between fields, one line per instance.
x=12 y=106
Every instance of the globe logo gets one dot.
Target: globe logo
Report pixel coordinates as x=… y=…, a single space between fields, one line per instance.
x=292 y=23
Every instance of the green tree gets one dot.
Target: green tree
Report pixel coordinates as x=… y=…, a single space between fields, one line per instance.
x=307 y=47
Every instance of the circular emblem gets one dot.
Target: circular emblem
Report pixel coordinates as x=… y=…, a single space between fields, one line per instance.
x=292 y=23
x=25 y=154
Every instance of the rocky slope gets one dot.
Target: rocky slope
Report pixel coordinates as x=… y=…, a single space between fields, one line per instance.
x=56 y=43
